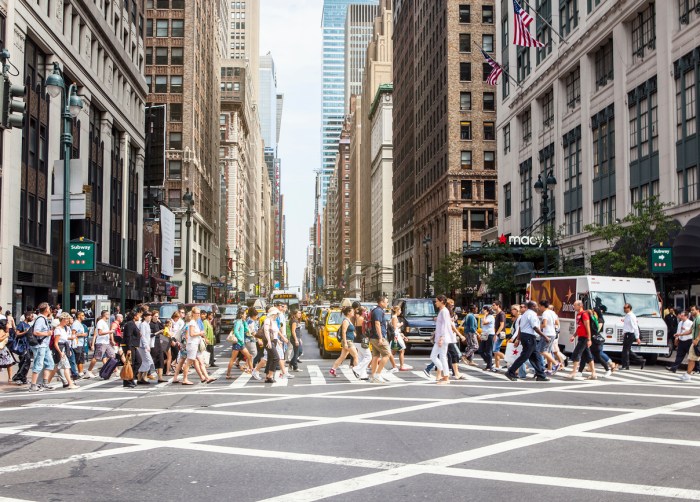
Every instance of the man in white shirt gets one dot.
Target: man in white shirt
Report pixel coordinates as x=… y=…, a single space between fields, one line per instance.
x=545 y=343
x=529 y=325
x=79 y=334
x=630 y=328
x=102 y=343
x=684 y=339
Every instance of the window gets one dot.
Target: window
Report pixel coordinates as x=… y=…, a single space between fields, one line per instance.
x=686 y=95
x=465 y=72
x=465 y=101
x=593 y=4
x=687 y=11
x=149 y=55
x=175 y=198
x=175 y=166
x=177 y=255
x=568 y=16
x=162 y=55
x=489 y=131
x=466 y=159
x=548 y=109
x=573 y=88
x=506 y=138
x=176 y=84
x=178 y=4
x=487 y=43
x=487 y=14
x=162 y=28
x=465 y=130
x=466 y=190
x=175 y=142
x=523 y=62
x=644 y=140
x=178 y=28
x=507 y=200
x=481 y=220
x=489 y=190
x=176 y=112
x=542 y=30
x=490 y=160
x=604 y=211
x=526 y=195
x=486 y=70
x=489 y=101
x=176 y=56
x=644 y=31
x=162 y=4
x=688 y=185
x=465 y=14
x=161 y=84
x=465 y=42
x=526 y=125
x=604 y=65
x=149 y=27
x=604 y=143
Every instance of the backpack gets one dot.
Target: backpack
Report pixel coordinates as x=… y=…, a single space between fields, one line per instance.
x=31 y=338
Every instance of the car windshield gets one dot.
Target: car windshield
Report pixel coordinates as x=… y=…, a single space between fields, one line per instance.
x=643 y=305
x=335 y=318
x=420 y=309
x=229 y=310
x=166 y=311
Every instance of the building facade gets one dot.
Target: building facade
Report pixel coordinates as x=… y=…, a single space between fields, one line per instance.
x=186 y=82
x=101 y=49
x=359 y=25
x=591 y=110
x=454 y=134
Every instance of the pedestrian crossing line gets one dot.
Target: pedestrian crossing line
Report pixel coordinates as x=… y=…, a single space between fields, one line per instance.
x=347 y=373
x=316 y=375
x=423 y=376
x=279 y=380
x=93 y=385
x=634 y=376
x=665 y=376
x=471 y=377
x=240 y=381
x=388 y=375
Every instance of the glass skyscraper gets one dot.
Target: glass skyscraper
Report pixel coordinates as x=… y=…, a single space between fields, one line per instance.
x=333 y=88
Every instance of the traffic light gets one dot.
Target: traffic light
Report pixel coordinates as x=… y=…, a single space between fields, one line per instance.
x=12 y=110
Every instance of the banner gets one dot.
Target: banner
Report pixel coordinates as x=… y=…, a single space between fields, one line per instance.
x=167 y=240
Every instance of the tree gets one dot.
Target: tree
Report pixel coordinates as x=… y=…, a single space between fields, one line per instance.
x=629 y=239
x=500 y=279
x=449 y=274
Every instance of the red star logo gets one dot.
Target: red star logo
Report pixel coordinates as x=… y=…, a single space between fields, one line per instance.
x=502 y=239
x=515 y=352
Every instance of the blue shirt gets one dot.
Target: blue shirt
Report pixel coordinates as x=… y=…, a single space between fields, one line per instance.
x=528 y=322
x=41 y=325
x=377 y=315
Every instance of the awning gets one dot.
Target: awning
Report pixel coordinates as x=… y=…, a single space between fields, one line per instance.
x=686 y=248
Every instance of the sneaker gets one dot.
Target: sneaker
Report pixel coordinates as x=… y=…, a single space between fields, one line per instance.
x=73 y=386
x=556 y=367
x=357 y=375
x=394 y=370
x=671 y=369
x=288 y=375
x=88 y=375
x=332 y=372
x=511 y=377
x=256 y=375
x=608 y=373
x=685 y=377
x=406 y=367
x=495 y=370
x=542 y=379
x=427 y=373
x=35 y=388
x=45 y=386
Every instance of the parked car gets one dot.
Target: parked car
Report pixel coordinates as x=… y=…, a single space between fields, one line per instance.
x=165 y=309
x=228 y=317
x=418 y=317
x=209 y=307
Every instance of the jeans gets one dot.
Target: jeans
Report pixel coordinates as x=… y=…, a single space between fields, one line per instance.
x=25 y=363
x=529 y=352
x=597 y=353
x=627 y=353
x=73 y=366
x=294 y=363
x=486 y=348
x=210 y=349
x=273 y=358
x=43 y=360
x=682 y=351
x=581 y=350
x=439 y=357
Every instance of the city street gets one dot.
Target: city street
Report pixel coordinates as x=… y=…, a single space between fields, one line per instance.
x=318 y=437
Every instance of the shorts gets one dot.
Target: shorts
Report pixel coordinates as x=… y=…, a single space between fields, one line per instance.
x=79 y=354
x=103 y=350
x=237 y=346
x=42 y=359
x=542 y=345
x=553 y=345
x=691 y=354
x=380 y=348
x=192 y=349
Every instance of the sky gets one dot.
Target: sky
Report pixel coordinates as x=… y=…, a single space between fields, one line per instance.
x=291 y=31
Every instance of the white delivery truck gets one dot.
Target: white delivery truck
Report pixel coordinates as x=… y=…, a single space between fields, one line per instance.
x=609 y=294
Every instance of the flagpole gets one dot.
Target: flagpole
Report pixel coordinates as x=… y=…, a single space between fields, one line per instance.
x=561 y=39
x=499 y=65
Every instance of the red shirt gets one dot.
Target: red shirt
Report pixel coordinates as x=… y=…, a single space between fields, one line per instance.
x=581 y=319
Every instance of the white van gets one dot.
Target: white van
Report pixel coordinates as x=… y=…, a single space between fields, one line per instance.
x=609 y=294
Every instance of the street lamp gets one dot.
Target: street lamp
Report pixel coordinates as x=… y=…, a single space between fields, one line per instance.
x=71 y=104
x=543 y=189
x=426 y=244
x=188 y=198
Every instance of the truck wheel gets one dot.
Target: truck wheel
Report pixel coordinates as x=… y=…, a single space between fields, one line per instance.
x=669 y=349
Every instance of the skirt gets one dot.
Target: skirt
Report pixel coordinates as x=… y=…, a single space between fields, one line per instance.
x=7 y=360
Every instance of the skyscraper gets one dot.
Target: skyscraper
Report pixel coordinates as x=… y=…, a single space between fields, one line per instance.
x=333 y=89
x=359 y=24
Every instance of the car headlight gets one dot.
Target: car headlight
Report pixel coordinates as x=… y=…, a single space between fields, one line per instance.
x=659 y=332
x=608 y=331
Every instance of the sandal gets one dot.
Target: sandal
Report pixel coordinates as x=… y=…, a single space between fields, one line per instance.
x=211 y=380
x=229 y=377
x=186 y=383
x=592 y=378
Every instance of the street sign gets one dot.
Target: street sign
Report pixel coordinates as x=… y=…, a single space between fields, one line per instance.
x=661 y=260
x=81 y=256
x=200 y=292
x=217 y=285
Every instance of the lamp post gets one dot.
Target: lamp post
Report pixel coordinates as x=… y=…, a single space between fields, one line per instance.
x=543 y=189
x=188 y=198
x=71 y=105
x=426 y=244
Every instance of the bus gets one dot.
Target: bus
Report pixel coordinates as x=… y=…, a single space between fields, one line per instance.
x=289 y=296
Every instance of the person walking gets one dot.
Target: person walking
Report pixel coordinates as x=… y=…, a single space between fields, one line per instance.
x=630 y=328
x=529 y=330
x=102 y=343
x=21 y=348
x=145 y=369
x=295 y=339
x=378 y=342
x=61 y=344
x=7 y=360
x=157 y=329
x=583 y=338
x=347 y=340
x=487 y=334
x=132 y=337
x=239 y=344
x=210 y=338
x=270 y=340
x=683 y=339
x=545 y=345
x=443 y=329
x=41 y=353
x=694 y=351
x=499 y=334
x=472 y=340
x=252 y=343
x=361 y=342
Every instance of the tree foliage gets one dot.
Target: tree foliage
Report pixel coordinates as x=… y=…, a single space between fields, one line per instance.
x=449 y=274
x=629 y=240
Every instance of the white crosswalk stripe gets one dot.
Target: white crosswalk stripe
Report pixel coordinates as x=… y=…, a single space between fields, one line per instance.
x=240 y=381
x=422 y=375
x=347 y=373
x=316 y=375
x=388 y=375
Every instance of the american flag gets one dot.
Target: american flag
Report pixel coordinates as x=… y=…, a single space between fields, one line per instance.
x=492 y=79
x=521 y=34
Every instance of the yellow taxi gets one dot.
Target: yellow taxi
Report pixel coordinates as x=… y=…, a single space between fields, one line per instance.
x=328 y=333
x=479 y=317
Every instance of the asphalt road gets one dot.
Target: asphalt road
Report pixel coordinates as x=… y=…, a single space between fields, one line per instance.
x=631 y=437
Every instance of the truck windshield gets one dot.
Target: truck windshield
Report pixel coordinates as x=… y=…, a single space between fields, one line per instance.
x=420 y=309
x=643 y=305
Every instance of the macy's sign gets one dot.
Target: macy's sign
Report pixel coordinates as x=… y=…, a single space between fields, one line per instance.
x=524 y=240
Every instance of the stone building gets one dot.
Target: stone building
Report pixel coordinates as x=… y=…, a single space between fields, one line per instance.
x=99 y=46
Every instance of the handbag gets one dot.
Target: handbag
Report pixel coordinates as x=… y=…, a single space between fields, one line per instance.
x=365 y=342
x=231 y=338
x=202 y=346
x=598 y=339
x=127 y=372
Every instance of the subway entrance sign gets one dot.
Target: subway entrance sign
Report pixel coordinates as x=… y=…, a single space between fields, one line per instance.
x=81 y=256
x=661 y=260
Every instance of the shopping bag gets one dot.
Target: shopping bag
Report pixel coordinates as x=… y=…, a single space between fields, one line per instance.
x=205 y=357
x=127 y=372
x=512 y=352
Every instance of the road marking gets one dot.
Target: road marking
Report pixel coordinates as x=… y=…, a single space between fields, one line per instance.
x=240 y=381
x=316 y=375
x=94 y=384
x=347 y=373
x=388 y=375
x=280 y=382
x=423 y=375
